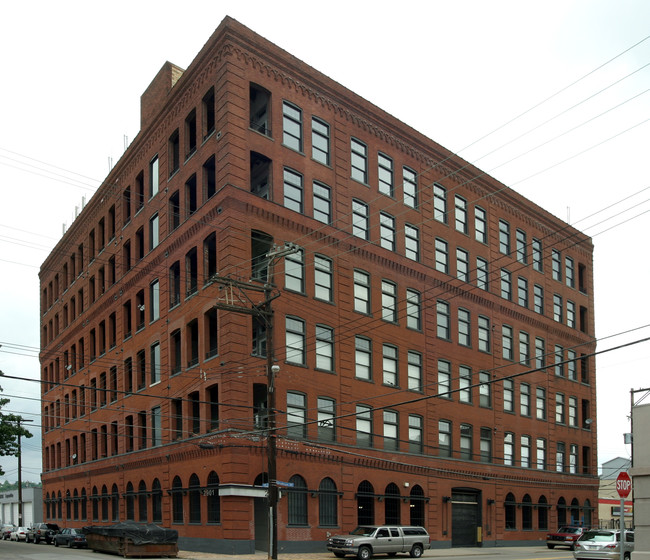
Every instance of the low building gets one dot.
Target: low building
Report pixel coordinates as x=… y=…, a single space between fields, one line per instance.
x=640 y=474
x=609 y=502
x=32 y=506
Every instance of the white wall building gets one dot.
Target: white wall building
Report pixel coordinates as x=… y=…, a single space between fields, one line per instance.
x=641 y=480
x=32 y=506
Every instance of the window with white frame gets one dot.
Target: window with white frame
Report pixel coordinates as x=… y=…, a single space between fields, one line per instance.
x=540 y=403
x=291 y=126
x=465 y=384
x=485 y=390
x=466 y=442
x=522 y=291
x=155 y=363
x=462 y=265
x=508 y=395
x=557 y=308
x=323 y=278
x=540 y=352
x=522 y=246
x=416 y=432
x=360 y=219
x=444 y=438
x=387 y=231
x=480 y=224
x=569 y=272
x=364 y=426
x=464 y=327
x=362 y=358
x=485 y=445
x=538 y=299
x=444 y=379
x=439 y=203
x=388 y=301
x=559 y=360
x=414 y=371
x=412 y=242
x=361 y=291
x=154 y=177
x=560 y=417
x=410 y=187
x=506 y=284
x=524 y=399
x=483 y=334
x=413 y=309
x=154 y=301
x=294 y=272
x=573 y=412
x=154 y=232
x=389 y=365
x=156 y=431
x=442 y=256
x=507 y=342
x=326 y=419
x=460 y=213
x=322 y=200
x=443 y=323
x=324 y=348
x=320 y=140
x=391 y=430
x=556 y=265
x=358 y=161
x=482 y=276
x=541 y=454
x=538 y=263
x=571 y=365
x=524 y=348
x=385 y=174
x=296 y=414
x=509 y=449
x=573 y=458
x=293 y=190
x=570 y=314
x=525 y=452
x=295 y=340
x=504 y=237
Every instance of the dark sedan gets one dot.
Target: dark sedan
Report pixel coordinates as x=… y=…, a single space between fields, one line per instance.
x=74 y=538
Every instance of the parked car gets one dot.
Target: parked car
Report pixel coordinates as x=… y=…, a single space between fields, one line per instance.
x=6 y=532
x=18 y=534
x=366 y=541
x=42 y=532
x=74 y=538
x=564 y=536
x=603 y=544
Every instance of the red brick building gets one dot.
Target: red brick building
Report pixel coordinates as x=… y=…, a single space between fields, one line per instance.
x=434 y=330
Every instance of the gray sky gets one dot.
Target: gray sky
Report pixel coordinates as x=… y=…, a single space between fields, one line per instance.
x=455 y=71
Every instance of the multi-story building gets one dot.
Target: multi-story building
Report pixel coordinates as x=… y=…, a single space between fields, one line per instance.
x=433 y=335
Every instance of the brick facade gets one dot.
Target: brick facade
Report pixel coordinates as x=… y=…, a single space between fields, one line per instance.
x=154 y=399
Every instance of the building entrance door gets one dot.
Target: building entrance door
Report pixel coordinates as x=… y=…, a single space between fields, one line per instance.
x=465 y=517
x=261 y=524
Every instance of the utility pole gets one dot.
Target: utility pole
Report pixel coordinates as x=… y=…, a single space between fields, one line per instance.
x=20 y=476
x=238 y=300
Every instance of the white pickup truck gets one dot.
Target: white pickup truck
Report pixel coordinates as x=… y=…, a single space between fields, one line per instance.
x=368 y=540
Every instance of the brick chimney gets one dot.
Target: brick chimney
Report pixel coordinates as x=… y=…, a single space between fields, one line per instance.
x=154 y=97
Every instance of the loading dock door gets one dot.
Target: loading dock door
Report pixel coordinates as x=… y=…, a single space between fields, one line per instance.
x=465 y=518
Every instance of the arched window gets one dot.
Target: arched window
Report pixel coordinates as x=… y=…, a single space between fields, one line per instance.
x=59 y=503
x=416 y=506
x=130 y=502
x=586 y=514
x=84 y=505
x=143 y=515
x=115 y=503
x=527 y=513
x=68 y=505
x=298 y=501
x=47 y=505
x=327 y=503
x=365 y=503
x=177 y=500
x=212 y=497
x=542 y=513
x=104 y=503
x=75 y=504
x=392 y=505
x=575 y=511
x=194 y=491
x=94 y=498
x=510 y=506
x=156 y=501
x=561 y=511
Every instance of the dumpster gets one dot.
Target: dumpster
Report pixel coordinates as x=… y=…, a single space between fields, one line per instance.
x=133 y=540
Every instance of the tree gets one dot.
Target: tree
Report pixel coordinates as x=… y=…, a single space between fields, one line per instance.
x=10 y=428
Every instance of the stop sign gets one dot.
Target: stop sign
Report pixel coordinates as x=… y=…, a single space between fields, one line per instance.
x=623 y=484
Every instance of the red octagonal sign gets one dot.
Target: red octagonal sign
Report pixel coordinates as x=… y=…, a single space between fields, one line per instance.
x=623 y=484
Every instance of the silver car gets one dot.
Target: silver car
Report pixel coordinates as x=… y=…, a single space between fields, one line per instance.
x=603 y=543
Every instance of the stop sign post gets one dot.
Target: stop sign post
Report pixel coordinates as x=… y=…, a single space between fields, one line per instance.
x=623 y=487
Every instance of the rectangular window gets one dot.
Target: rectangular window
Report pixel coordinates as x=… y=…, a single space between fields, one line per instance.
x=506 y=284
x=153 y=177
x=522 y=246
x=486 y=445
x=538 y=263
x=538 y=299
x=174 y=152
x=388 y=301
x=323 y=278
x=174 y=284
x=569 y=272
x=294 y=272
x=414 y=371
x=465 y=384
x=361 y=292
x=291 y=126
x=509 y=449
x=191 y=272
x=439 y=203
x=573 y=412
x=462 y=265
x=466 y=443
x=324 y=348
x=155 y=363
x=504 y=237
x=525 y=452
x=416 y=432
x=572 y=366
x=556 y=263
x=524 y=348
x=385 y=174
x=460 y=213
x=541 y=454
x=364 y=426
x=154 y=232
x=485 y=390
x=560 y=417
x=412 y=242
x=557 y=308
x=360 y=220
x=444 y=438
x=444 y=379
x=387 y=231
x=507 y=344
x=389 y=365
x=442 y=256
x=322 y=202
x=391 y=431
x=320 y=141
x=443 y=326
x=358 y=161
x=524 y=399
x=482 y=277
x=208 y=113
x=154 y=301
x=464 y=327
x=410 y=187
x=295 y=340
x=483 y=334
x=480 y=224
x=413 y=309
x=570 y=314
x=559 y=360
x=540 y=352
x=522 y=291
x=326 y=419
x=573 y=458
x=156 y=427
x=508 y=395
x=540 y=403
x=190 y=134
x=293 y=190
x=362 y=358
x=296 y=415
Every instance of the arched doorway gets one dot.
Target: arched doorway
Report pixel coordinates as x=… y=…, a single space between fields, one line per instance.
x=416 y=506
x=365 y=503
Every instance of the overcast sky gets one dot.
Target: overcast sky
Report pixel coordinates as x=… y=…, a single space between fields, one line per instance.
x=551 y=98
